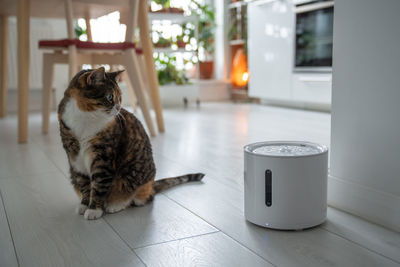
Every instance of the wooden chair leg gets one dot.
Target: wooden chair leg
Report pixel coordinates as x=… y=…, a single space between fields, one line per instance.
x=129 y=88
x=72 y=51
x=130 y=91
x=72 y=61
x=142 y=62
x=131 y=65
x=147 y=47
x=3 y=64
x=47 y=79
x=23 y=11
x=88 y=28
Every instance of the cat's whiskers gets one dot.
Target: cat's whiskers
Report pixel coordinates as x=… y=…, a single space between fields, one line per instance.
x=120 y=118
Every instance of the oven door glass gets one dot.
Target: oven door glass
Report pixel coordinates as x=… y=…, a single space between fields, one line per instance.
x=314 y=31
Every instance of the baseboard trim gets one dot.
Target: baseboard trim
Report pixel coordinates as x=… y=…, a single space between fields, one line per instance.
x=376 y=206
x=297 y=104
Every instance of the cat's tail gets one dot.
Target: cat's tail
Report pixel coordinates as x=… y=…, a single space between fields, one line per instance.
x=164 y=184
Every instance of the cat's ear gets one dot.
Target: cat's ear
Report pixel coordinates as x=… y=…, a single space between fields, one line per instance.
x=97 y=76
x=116 y=75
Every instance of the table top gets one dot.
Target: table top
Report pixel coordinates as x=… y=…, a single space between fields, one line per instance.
x=55 y=8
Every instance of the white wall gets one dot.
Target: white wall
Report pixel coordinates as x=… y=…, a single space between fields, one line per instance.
x=365 y=138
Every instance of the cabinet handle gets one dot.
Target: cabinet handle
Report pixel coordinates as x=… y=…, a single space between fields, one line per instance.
x=312 y=7
x=261 y=2
x=315 y=79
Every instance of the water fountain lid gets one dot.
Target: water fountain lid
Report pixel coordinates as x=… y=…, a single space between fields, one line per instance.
x=285 y=149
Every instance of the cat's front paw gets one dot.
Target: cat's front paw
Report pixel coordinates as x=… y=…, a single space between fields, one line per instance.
x=80 y=209
x=113 y=208
x=93 y=214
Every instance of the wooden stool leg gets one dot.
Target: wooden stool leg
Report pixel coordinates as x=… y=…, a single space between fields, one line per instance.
x=72 y=51
x=72 y=61
x=129 y=88
x=47 y=79
x=3 y=64
x=130 y=91
x=23 y=15
x=88 y=28
x=142 y=62
x=150 y=66
x=131 y=65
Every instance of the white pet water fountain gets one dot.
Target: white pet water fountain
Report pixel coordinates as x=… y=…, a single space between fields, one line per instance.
x=285 y=184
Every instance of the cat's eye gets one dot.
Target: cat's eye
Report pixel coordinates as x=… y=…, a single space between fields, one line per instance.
x=109 y=97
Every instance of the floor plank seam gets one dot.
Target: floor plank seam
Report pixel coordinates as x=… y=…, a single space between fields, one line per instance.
x=360 y=245
x=178 y=239
x=222 y=231
x=123 y=240
x=249 y=249
x=9 y=228
x=211 y=223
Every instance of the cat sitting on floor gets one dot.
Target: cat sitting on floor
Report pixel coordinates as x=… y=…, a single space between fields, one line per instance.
x=109 y=152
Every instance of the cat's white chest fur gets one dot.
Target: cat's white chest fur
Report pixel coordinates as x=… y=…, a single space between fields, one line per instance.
x=84 y=125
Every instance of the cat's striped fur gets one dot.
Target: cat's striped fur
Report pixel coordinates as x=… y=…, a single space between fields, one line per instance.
x=166 y=183
x=109 y=152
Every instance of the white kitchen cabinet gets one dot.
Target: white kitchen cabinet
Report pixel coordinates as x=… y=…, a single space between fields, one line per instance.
x=312 y=87
x=270 y=48
x=271 y=33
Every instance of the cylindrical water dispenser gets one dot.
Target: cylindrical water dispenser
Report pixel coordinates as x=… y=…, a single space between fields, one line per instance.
x=285 y=184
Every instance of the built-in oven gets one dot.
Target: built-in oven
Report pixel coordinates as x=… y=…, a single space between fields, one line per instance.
x=314 y=36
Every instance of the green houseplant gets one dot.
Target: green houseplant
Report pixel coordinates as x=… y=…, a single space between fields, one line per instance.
x=164 y=3
x=180 y=42
x=188 y=32
x=167 y=71
x=79 y=30
x=166 y=7
x=206 y=29
x=162 y=42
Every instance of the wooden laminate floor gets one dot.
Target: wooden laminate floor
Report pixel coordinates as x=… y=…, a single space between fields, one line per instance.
x=197 y=224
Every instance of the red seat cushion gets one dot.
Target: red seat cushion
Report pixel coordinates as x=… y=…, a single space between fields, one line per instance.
x=86 y=45
x=139 y=51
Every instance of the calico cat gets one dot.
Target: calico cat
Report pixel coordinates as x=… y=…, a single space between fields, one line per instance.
x=109 y=152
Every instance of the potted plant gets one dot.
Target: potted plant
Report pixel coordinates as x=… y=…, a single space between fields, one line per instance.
x=180 y=42
x=162 y=42
x=166 y=7
x=175 y=10
x=187 y=34
x=79 y=31
x=167 y=71
x=164 y=3
x=206 y=28
x=233 y=33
